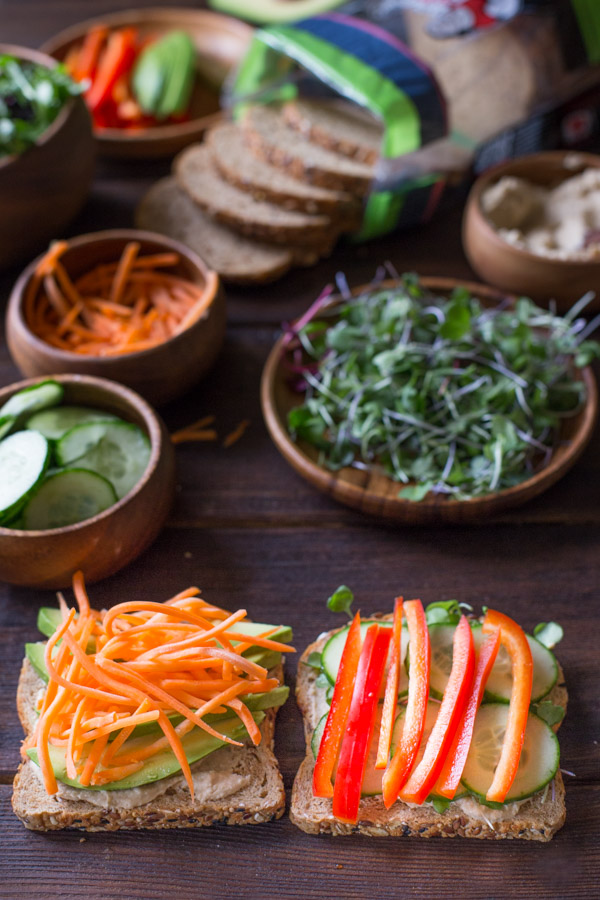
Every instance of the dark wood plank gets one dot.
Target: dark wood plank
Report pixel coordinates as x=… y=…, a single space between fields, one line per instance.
x=278 y=860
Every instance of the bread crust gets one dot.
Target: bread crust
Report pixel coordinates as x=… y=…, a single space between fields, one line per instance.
x=261 y=801
x=298 y=117
x=537 y=819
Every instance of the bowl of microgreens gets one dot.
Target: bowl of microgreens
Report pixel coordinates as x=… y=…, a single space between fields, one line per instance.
x=46 y=151
x=428 y=400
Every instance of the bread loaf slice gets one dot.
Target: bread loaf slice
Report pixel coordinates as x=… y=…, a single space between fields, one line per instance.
x=337 y=125
x=535 y=819
x=273 y=140
x=260 y=798
x=198 y=176
x=238 y=165
x=168 y=210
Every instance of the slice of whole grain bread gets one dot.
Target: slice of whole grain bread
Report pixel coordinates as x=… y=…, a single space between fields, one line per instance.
x=337 y=125
x=535 y=819
x=260 y=800
x=198 y=176
x=243 y=169
x=273 y=140
x=168 y=210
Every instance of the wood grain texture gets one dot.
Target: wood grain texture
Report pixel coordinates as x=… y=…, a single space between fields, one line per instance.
x=247 y=529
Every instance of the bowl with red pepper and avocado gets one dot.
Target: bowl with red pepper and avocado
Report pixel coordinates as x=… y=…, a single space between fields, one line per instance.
x=430 y=721
x=152 y=77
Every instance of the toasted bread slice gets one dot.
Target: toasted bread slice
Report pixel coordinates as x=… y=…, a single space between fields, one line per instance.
x=535 y=819
x=245 y=784
x=273 y=140
x=337 y=125
x=238 y=165
x=198 y=176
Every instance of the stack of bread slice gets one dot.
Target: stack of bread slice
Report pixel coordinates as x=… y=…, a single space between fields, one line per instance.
x=274 y=190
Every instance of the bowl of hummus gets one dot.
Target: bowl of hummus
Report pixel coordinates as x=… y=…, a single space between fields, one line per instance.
x=532 y=226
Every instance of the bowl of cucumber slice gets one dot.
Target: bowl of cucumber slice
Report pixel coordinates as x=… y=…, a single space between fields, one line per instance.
x=87 y=477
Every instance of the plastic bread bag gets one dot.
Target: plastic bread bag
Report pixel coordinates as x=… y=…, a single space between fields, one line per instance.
x=444 y=79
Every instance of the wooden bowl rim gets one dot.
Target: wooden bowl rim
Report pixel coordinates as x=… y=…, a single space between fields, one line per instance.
x=49 y=62
x=160 y=14
x=17 y=295
x=323 y=477
x=473 y=206
x=151 y=424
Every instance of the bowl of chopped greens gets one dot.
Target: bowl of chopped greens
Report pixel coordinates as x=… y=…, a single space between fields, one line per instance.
x=429 y=400
x=46 y=151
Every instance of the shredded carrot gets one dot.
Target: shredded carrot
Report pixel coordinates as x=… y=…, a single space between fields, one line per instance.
x=236 y=434
x=128 y=306
x=142 y=663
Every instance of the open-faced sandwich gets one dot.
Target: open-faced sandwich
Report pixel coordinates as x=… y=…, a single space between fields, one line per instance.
x=149 y=715
x=431 y=723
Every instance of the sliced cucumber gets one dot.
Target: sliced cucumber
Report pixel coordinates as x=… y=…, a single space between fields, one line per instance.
x=539 y=757
x=332 y=653
x=24 y=458
x=119 y=451
x=371 y=785
x=6 y=424
x=30 y=399
x=70 y=496
x=499 y=684
x=54 y=423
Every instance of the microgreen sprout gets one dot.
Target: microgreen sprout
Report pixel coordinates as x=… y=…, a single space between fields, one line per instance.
x=442 y=394
x=341 y=600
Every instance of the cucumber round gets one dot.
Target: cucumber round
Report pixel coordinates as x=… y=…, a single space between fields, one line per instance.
x=66 y=498
x=30 y=399
x=499 y=684
x=6 y=425
x=119 y=451
x=54 y=423
x=539 y=757
x=371 y=785
x=333 y=649
x=24 y=458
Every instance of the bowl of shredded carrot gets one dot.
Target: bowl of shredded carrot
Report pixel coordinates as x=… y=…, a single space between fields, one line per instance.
x=127 y=305
x=111 y=539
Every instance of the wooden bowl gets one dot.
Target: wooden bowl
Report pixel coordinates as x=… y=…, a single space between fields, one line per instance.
x=44 y=188
x=519 y=271
x=160 y=373
x=107 y=542
x=221 y=43
x=375 y=493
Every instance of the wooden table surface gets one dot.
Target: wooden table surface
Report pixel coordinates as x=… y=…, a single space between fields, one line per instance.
x=249 y=532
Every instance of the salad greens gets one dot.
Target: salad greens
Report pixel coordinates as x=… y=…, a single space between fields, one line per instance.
x=441 y=394
x=31 y=97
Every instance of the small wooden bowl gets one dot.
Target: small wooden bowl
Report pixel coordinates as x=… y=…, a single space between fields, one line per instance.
x=44 y=188
x=519 y=271
x=104 y=544
x=220 y=42
x=160 y=373
x=375 y=493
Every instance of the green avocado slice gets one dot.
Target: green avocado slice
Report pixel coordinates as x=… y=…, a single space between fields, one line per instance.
x=197 y=744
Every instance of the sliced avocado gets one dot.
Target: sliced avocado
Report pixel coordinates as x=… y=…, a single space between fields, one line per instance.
x=35 y=655
x=270 y=12
x=197 y=744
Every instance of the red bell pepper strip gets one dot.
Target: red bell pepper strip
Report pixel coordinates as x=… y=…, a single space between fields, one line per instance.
x=89 y=52
x=116 y=60
x=390 y=699
x=449 y=779
x=513 y=638
x=419 y=785
x=338 y=713
x=398 y=770
x=361 y=722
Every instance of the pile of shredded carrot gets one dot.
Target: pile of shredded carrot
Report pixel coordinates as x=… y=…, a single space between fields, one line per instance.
x=115 y=308
x=142 y=662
